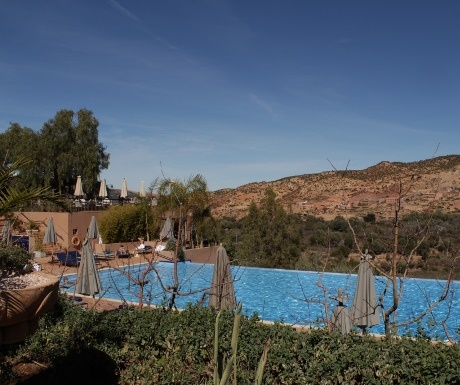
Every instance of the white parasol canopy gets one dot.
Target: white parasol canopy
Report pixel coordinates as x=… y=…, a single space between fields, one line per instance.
x=78 y=188
x=124 y=189
x=103 y=189
x=142 y=192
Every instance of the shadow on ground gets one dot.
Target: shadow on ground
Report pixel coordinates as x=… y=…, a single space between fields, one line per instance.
x=87 y=367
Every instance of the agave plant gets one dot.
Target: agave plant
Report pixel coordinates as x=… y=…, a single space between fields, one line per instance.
x=221 y=373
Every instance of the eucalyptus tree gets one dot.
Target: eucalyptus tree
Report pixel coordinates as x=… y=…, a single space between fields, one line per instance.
x=66 y=146
x=17 y=142
x=72 y=148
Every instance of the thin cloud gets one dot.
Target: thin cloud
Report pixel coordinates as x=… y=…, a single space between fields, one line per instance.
x=122 y=9
x=157 y=38
x=263 y=104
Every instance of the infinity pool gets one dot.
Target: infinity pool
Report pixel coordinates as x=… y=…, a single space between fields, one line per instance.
x=286 y=295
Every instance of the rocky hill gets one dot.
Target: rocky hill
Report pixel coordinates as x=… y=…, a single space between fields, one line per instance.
x=427 y=184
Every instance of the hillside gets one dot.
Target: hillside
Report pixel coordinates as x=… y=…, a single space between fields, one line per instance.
x=430 y=184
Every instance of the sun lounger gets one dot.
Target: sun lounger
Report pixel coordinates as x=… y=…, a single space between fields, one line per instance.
x=71 y=258
x=107 y=254
x=146 y=250
x=123 y=254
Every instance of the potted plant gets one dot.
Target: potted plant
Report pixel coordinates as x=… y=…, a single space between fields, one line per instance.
x=24 y=294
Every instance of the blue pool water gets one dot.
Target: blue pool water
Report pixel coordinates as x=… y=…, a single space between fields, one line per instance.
x=289 y=296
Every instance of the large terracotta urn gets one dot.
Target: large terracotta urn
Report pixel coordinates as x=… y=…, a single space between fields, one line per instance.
x=20 y=309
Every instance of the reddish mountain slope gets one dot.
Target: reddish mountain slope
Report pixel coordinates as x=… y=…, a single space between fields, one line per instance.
x=427 y=184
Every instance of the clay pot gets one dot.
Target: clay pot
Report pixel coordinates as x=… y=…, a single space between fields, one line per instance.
x=20 y=309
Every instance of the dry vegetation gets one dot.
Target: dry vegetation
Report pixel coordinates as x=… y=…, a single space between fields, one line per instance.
x=373 y=190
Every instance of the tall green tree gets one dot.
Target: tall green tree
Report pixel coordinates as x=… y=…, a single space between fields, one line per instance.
x=17 y=142
x=72 y=140
x=270 y=237
x=66 y=146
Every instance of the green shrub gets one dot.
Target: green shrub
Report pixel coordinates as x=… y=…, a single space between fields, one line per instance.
x=126 y=223
x=171 y=246
x=14 y=259
x=341 y=252
x=154 y=346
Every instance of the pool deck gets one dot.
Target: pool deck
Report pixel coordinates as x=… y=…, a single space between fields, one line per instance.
x=202 y=255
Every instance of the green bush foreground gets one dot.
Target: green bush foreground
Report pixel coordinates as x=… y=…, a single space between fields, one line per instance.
x=157 y=347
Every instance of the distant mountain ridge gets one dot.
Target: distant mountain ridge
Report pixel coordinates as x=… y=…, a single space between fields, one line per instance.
x=432 y=183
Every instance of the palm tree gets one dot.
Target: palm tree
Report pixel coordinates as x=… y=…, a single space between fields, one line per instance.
x=182 y=200
x=204 y=225
x=13 y=199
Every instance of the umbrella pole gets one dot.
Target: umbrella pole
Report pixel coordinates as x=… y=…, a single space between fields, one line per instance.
x=52 y=254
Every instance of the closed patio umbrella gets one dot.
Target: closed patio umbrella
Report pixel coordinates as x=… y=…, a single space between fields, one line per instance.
x=341 y=319
x=50 y=234
x=103 y=189
x=222 y=293
x=88 y=281
x=6 y=232
x=93 y=230
x=78 y=188
x=364 y=312
x=166 y=231
x=124 y=189
x=142 y=192
x=50 y=237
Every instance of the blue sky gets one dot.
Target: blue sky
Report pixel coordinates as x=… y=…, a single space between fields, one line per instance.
x=238 y=91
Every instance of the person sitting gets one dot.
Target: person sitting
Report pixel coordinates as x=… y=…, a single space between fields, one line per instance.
x=121 y=250
x=141 y=246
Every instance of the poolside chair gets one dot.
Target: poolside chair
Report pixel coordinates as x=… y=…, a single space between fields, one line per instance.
x=123 y=254
x=104 y=255
x=146 y=250
x=71 y=258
